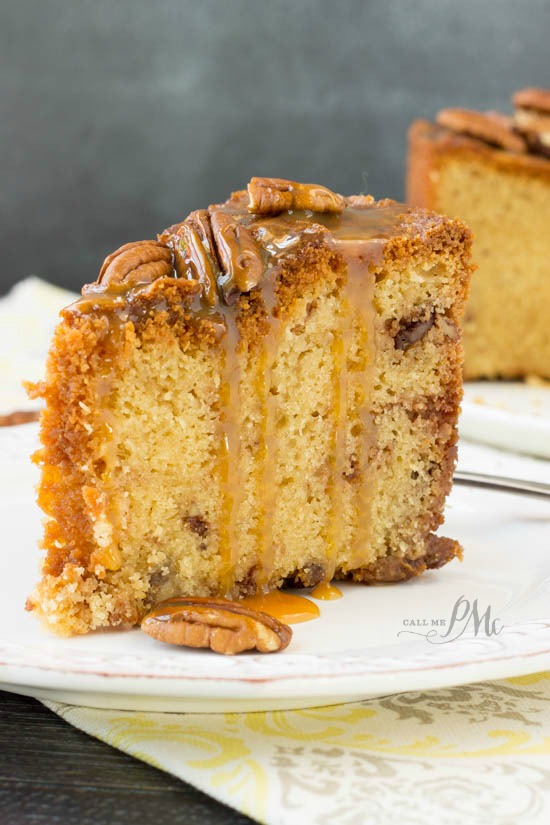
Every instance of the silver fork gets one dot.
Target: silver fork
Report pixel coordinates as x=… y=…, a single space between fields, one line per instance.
x=519 y=486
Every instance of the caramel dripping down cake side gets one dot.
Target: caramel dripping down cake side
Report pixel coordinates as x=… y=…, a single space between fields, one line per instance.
x=493 y=172
x=266 y=394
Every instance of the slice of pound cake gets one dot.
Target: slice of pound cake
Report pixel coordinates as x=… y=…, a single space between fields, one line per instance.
x=266 y=395
x=493 y=172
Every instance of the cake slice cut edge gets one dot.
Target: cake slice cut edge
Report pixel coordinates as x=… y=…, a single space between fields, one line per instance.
x=493 y=172
x=256 y=399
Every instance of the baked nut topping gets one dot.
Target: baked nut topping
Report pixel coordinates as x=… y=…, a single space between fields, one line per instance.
x=537 y=99
x=410 y=332
x=194 y=252
x=239 y=255
x=490 y=127
x=219 y=624
x=359 y=201
x=140 y=262
x=269 y=196
x=532 y=118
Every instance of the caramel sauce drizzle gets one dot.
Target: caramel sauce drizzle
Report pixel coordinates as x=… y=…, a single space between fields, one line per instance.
x=361 y=244
x=286 y=607
x=340 y=350
x=359 y=295
x=197 y=258
x=340 y=347
x=231 y=251
x=268 y=480
x=229 y=453
x=326 y=591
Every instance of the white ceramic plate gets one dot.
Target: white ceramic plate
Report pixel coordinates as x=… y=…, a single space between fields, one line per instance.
x=508 y=414
x=28 y=316
x=355 y=650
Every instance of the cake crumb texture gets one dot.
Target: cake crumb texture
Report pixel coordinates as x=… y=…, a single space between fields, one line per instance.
x=313 y=437
x=504 y=197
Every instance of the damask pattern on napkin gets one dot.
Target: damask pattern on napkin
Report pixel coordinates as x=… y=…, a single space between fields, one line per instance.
x=477 y=753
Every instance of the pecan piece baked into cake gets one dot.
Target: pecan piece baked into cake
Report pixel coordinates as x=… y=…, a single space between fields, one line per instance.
x=493 y=171
x=265 y=395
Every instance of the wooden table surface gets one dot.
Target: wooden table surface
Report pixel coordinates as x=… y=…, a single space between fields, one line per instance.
x=53 y=774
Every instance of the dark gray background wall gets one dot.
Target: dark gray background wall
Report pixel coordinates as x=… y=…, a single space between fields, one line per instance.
x=118 y=117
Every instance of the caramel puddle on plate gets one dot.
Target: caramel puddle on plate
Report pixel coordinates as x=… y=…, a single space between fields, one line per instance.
x=325 y=591
x=286 y=607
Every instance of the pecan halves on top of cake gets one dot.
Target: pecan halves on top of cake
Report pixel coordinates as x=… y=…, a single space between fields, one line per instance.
x=269 y=196
x=537 y=99
x=362 y=201
x=490 y=127
x=532 y=118
x=195 y=252
x=139 y=262
x=240 y=256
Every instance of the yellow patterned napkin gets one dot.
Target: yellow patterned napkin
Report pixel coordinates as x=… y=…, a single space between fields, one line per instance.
x=477 y=754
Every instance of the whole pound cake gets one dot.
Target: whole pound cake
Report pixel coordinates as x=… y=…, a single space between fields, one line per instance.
x=266 y=395
x=493 y=171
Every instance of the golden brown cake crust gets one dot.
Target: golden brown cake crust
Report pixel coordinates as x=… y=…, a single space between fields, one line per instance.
x=230 y=233
x=81 y=346
x=465 y=164
x=221 y=282
x=388 y=569
x=430 y=143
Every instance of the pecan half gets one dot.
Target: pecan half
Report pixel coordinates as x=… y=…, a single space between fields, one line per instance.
x=532 y=118
x=139 y=262
x=490 y=127
x=409 y=332
x=537 y=99
x=239 y=254
x=219 y=624
x=269 y=196
x=195 y=252
x=360 y=201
